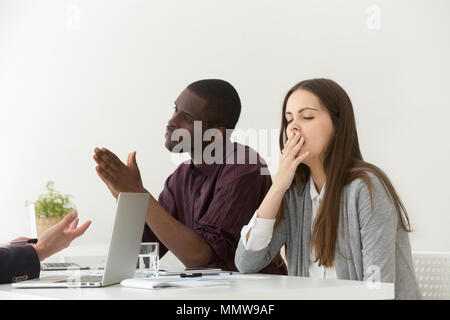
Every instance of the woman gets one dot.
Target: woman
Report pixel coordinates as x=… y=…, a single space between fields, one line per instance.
x=341 y=216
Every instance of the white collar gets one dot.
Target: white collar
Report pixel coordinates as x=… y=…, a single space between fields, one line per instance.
x=313 y=190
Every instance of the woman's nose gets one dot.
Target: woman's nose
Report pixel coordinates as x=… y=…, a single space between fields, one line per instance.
x=294 y=130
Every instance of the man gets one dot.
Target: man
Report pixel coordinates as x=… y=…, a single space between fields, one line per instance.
x=18 y=263
x=204 y=205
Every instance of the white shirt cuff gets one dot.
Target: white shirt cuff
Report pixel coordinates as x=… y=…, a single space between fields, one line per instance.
x=260 y=235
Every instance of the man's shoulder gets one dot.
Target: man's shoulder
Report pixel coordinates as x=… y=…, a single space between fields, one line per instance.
x=238 y=160
x=180 y=171
x=237 y=153
x=243 y=161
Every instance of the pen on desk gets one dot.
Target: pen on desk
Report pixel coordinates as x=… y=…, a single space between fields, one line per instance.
x=194 y=275
x=197 y=275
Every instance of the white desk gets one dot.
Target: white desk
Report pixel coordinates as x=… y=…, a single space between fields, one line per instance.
x=271 y=288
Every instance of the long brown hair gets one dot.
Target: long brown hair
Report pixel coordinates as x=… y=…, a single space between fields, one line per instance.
x=343 y=163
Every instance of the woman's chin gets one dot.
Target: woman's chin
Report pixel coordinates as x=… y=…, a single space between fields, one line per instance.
x=308 y=160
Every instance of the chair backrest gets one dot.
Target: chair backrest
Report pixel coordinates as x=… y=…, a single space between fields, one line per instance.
x=433 y=274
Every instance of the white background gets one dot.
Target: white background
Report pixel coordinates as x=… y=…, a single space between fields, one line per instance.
x=79 y=74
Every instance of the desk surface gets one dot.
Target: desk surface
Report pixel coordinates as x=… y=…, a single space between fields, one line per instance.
x=270 y=288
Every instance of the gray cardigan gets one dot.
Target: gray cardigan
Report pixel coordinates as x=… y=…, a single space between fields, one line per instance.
x=372 y=241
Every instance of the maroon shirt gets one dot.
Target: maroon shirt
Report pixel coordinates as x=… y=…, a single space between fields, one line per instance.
x=216 y=201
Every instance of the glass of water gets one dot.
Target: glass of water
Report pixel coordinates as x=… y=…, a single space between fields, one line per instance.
x=148 y=261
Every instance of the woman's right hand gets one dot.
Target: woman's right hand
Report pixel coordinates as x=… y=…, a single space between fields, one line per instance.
x=290 y=160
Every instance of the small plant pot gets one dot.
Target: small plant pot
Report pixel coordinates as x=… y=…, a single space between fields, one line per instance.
x=43 y=223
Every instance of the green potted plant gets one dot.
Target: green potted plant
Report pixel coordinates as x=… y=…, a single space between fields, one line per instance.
x=50 y=208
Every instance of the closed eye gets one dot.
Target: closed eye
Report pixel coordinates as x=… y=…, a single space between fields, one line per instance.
x=306 y=118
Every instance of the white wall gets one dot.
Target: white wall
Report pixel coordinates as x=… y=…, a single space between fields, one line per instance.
x=79 y=74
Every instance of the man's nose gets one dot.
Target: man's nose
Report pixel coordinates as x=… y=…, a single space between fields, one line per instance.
x=173 y=122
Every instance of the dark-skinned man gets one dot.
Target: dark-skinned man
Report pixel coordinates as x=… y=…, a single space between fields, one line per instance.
x=204 y=204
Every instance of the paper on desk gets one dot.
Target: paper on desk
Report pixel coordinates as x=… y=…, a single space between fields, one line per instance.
x=177 y=281
x=155 y=283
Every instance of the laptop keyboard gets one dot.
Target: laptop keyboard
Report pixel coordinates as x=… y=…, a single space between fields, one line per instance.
x=60 y=265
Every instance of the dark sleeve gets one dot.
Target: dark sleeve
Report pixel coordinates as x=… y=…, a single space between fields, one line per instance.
x=19 y=263
x=239 y=192
x=167 y=200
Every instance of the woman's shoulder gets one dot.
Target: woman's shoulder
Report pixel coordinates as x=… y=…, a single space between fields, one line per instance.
x=365 y=182
x=369 y=190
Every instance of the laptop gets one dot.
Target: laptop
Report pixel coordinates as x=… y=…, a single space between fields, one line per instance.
x=123 y=249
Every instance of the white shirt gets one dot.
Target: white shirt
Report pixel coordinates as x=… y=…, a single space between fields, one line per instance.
x=262 y=230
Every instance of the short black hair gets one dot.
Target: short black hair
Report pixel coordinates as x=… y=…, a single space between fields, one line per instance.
x=222 y=100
